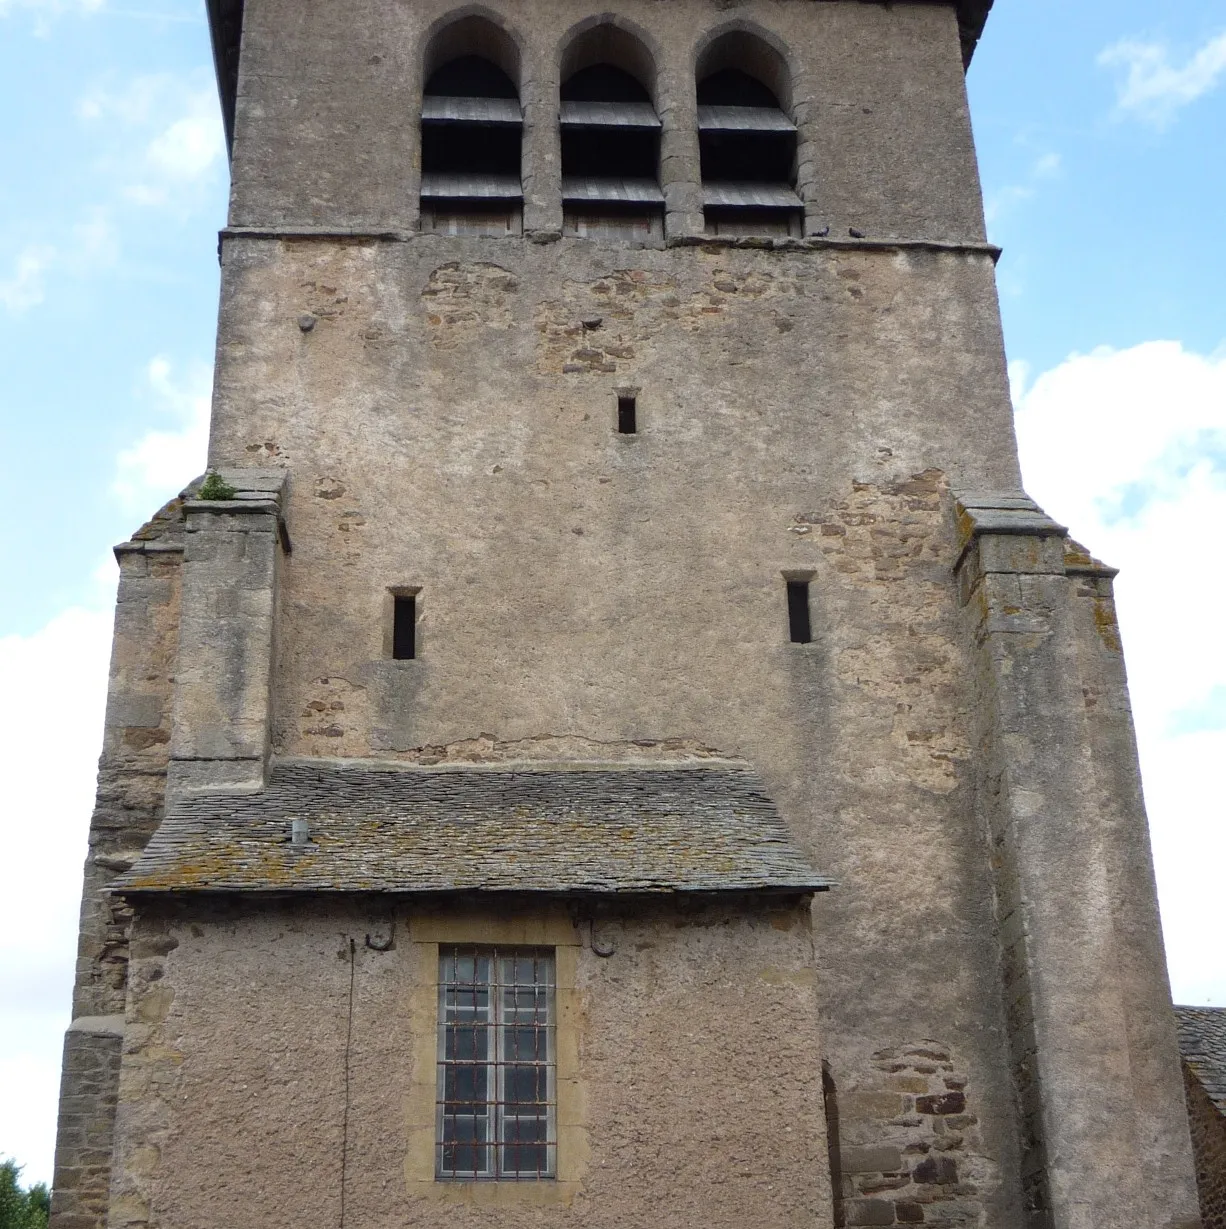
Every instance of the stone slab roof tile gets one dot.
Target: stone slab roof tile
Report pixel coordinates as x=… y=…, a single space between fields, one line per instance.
x=1202 y=1043
x=571 y=829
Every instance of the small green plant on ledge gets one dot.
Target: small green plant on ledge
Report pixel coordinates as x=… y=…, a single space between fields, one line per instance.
x=214 y=487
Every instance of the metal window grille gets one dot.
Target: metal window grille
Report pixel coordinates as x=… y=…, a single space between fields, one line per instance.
x=496 y=1106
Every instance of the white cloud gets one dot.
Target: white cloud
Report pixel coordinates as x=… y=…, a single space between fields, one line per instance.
x=50 y=735
x=162 y=144
x=162 y=462
x=1151 y=88
x=178 y=131
x=1001 y=201
x=134 y=104
x=92 y=246
x=50 y=8
x=1128 y=447
x=193 y=143
x=25 y=288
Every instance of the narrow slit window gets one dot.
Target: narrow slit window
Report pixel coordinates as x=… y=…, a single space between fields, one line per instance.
x=798 y=612
x=496 y=1098
x=627 y=416
x=404 y=626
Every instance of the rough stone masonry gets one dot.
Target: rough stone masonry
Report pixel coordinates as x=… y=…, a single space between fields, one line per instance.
x=852 y=923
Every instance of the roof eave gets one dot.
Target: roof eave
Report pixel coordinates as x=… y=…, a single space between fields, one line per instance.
x=226 y=32
x=972 y=17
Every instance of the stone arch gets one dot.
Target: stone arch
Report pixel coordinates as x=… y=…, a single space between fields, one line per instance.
x=745 y=45
x=607 y=38
x=474 y=30
x=471 y=152
x=749 y=149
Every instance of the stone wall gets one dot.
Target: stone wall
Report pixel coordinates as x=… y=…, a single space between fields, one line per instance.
x=85 y=1134
x=449 y=423
x=1073 y=877
x=445 y=410
x=223 y=680
x=1209 y=1149
x=272 y=1069
x=877 y=94
x=911 y=1151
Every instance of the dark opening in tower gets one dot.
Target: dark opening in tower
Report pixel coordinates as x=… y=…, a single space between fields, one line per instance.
x=471 y=136
x=746 y=142
x=610 y=143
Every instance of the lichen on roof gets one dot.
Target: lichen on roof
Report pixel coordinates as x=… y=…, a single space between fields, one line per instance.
x=574 y=829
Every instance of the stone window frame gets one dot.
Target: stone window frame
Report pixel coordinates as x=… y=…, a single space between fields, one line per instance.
x=757 y=52
x=543 y=928
x=475 y=998
x=478 y=31
x=388 y=617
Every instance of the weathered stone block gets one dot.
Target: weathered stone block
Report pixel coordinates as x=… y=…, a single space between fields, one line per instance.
x=944 y=1103
x=870 y=1212
x=871 y=1105
x=870 y=1160
x=936 y=1171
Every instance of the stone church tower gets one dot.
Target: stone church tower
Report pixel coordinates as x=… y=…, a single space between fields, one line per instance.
x=610 y=743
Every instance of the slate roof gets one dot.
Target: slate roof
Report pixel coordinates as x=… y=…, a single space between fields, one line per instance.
x=608 y=115
x=597 y=188
x=766 y=195
x=1202 y=1043
x=471 y=187
x=449 y=110
x=573 y=829
x=743 y=119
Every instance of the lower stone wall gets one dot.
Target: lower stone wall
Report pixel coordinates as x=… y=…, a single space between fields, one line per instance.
x=88 y=1089
x=909 y=1145
x=1209 y=1150
x=280 y=1071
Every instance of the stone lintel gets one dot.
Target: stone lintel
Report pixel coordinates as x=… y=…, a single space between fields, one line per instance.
x=98 y=1026
x=187 y=776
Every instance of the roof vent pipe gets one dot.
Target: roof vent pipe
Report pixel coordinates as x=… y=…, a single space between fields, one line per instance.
x=299 y=832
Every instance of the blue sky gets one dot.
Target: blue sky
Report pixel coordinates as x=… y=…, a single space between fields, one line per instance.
x=1099 y=127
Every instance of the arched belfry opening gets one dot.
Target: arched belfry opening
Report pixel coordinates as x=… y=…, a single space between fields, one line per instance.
x=471 y=132
x=746 y=139
x=610 y=138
